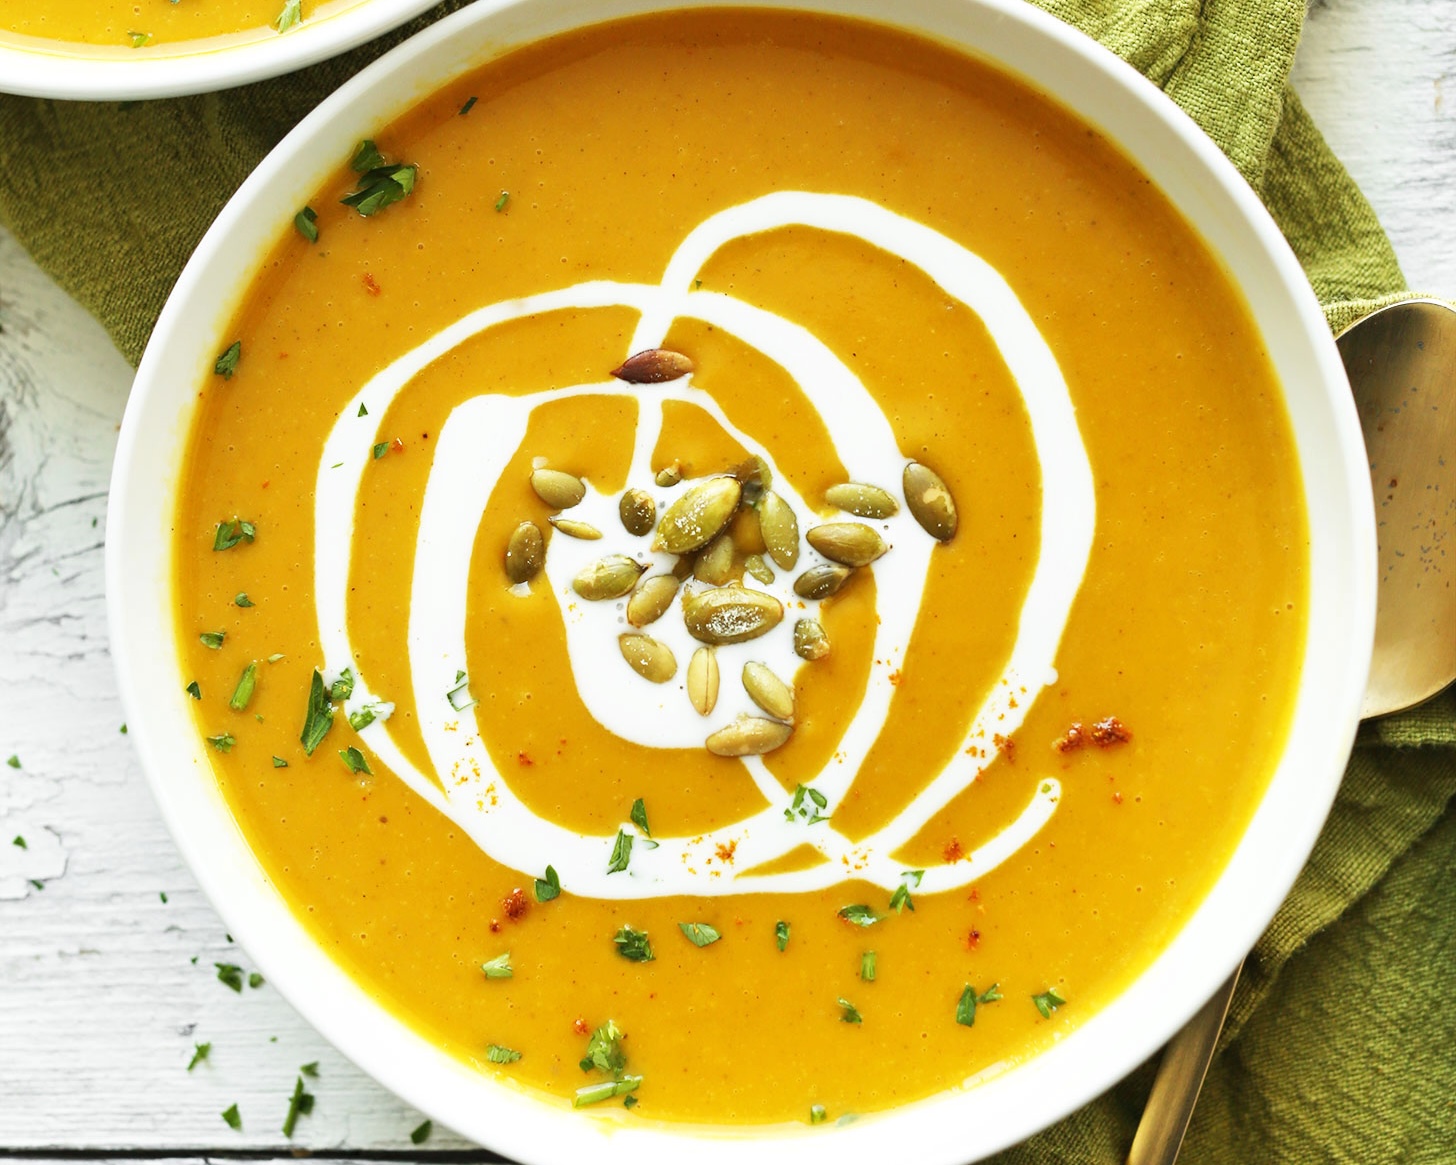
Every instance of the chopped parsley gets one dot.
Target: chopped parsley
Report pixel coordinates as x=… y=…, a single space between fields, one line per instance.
x=361 y=719
x=459 y=696
x=13 y=761
x=291 y=15
x=781 y=934
x=966 y=1009
x=354 y=761
x=1047 y=1002
x=867 y=966
x=381 y=183
x=700 y=934
x=811 y=813
x=468 y=106
x=310 y=1069
x=230 y=975
x=381 y=449
x=162 y=894
x=502 y=201
x=858 y=915
x=320 y=716
x=243 y=693
x=498 y=967
x=305 y=222
x=848 y=1012
x=194 y=690
x=234 y=1120
x=604 y=1049
x=227 y=363
x=199 y=1053
x=299 y=1104
x=621 y=853
x=633 y=945
x=19 y=841
x=639 y=817
x=817 y=1114
x=138 y=39
x=363 y=412
x=901 y=897
x=499 y=1055
x=223 y=742
x=548 y=887
x=279 y=763
x=242 y=600
x=343 y=687
x=212 y=639
x=255 y=980
x=422 y=1133
x=596 y=1093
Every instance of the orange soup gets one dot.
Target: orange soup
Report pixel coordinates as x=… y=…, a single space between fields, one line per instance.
x=741 y=565
x=116 y=28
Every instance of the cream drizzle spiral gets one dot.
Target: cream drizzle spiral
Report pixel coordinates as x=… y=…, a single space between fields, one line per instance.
x=481 y=436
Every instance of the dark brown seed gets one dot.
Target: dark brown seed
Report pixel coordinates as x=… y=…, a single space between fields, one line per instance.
x=653 y=366
x=849 y=543
x=525 y=552
x=820 y=582
x=930 y=502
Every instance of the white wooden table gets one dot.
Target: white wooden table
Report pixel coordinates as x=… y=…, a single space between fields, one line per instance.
x=106 y=945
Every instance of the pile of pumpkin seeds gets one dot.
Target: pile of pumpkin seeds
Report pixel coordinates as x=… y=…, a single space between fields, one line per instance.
x=723 y=529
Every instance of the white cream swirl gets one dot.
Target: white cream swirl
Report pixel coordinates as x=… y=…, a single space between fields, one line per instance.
x=482 y=435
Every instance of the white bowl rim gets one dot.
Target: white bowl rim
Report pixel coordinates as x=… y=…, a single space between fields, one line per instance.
x=72 y=76
x=947 y=1128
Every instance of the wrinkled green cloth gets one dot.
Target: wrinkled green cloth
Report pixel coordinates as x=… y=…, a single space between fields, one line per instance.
x=1342 y=1040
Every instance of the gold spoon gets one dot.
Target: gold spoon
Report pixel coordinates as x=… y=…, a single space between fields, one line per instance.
x=1401 y=362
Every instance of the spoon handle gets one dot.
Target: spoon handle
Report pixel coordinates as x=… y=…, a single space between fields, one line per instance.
x=1180 y=1077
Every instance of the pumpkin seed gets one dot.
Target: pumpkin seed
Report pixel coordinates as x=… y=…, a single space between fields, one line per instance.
x=607 y=578
x=525 y=552
x=682 y=567
x=638 y=511
x=850 y=543
x=757 y=568
x=755 y=476
x=810 y=640
x=863 y=501
x=715 y=562
x=558 y=490
x=749 y=736
x=647 y=657
x=650 y=599
x=653 y=366
x=819 y=582
x=574 y=529
x=668 y=477
x=768 y=691
x=694 y=518
x=731 y=614
x=780 y=529
x=930 y=502
x=703 y=680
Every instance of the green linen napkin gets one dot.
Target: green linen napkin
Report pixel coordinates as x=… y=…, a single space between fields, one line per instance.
x=1342 y=1040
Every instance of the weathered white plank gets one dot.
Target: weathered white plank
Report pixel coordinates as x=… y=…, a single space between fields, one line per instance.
x=100 y=1003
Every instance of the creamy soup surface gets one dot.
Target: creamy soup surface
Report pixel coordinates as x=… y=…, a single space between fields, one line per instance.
x=1031 y=743
x=140 y=28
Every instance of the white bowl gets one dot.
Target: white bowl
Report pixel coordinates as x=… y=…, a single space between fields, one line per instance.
x=953 y=1127
x=69 y=74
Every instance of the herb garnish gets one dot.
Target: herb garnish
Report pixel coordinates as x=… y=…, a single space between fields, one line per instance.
x=320 y=716
x=621 y=853
x=422 y=1133
x=468 y=106
x=243 y=693
x=596 y=1093
x=354 y=761
x=633 y=945
x=242 y=600
x=817 y=1114
x=700 y=934
x=292 y=14
x=966 y=1009
x=229 y=534
x=299 y=1104
x=500 y=203
x=255 y=980
x=162 y=894
x=381 y=183
x=231 y=975
x=499 y=1055
x=381 y=449
x=279 y=763
x=363 y=412
x=604 y=1049
x=13 y=760
x=361 y=719
x=138 y=39
x=305 y=222
x=227 y=363
x=867 y=966
x=199 y=1053
x=234 y=1120
x=901 y=897
x=812 y=813
x=781 y=934
x=194 y=690
x=498 y=967
x=19 y=841
x=1047 y=1002
x=310 y=1069
x=223 y=742
x=858 y=915
x=343 y=687
x=212 y=639
x=459 y=696
x=548 y=887
x=849 y=1013
x=639 y=817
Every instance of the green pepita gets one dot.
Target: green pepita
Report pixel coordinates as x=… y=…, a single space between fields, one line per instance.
x=558 y=490
x=780 y=529
x=607 y=578
x=810 y=640
x=714 y=564
x=698 y=515
x=647 y=657
x=819 y=582
x=669 y=476
x=755 y=567
x=638 y=511
x=930 y=502
x=768 y=691
x=749 y=736
x=703 y=680
x=848 y=543
x=574 y=529
x=863 y=501
x=731 y=614
x=525 y=552
x=650 y=599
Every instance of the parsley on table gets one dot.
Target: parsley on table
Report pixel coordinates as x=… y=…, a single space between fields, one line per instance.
x=199 y=1053
x=498 y=967
x=20 y=842
x=255 y=980
x=227 y=362
x=422 y=1133
x=1047 y=1002
x=299 y=1104
x=310 y=1069
x=231 y=975
x=233 y=1118
x=633 y=945
x=548 y=887
x=13 y=761
x=700 y=934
